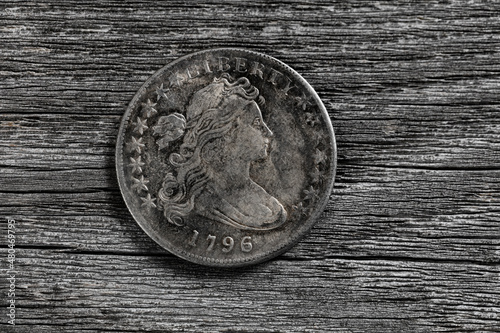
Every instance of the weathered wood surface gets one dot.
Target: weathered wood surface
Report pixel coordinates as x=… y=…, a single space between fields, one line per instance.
x=409 y=242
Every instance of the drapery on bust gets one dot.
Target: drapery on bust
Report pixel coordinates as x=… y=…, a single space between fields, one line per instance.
x=223 y=133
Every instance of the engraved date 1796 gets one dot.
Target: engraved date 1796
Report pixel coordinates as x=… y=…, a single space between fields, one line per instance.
x=227 y=242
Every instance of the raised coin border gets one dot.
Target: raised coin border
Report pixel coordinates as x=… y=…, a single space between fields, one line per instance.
x=302 y=230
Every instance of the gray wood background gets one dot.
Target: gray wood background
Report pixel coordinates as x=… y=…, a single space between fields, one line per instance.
x=409 y=242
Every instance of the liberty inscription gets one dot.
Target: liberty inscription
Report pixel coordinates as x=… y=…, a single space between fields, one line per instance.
x=226 y=157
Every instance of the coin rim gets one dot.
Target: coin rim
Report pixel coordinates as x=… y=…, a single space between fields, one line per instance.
x=303 y=230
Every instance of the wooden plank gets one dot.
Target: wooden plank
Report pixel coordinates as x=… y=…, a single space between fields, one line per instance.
x=130 y=293
x=424 y=137
x=387 y=212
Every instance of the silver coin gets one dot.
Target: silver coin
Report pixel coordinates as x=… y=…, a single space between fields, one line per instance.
x=226 y=157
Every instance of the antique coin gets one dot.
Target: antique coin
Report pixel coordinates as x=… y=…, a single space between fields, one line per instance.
x=226 y=157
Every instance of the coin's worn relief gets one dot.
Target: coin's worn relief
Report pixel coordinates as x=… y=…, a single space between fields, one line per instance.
x=222 y=134
x=226 y=157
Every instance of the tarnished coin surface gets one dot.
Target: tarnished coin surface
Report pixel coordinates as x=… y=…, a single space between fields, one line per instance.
x=226 y=157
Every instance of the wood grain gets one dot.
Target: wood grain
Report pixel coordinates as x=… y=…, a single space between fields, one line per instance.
x=409 y=242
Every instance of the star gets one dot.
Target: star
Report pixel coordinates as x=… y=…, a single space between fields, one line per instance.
x=319 y=156
x=148 y=108
x=315 y=175
x=136 y=164
x=139 y=184
x=299 y=209
x=318 y=138
x=161 y=92
x=136 y=145
x=148 y=202
x=303 y=101
x=310 y=193
x=311 y=119
x=140 y=125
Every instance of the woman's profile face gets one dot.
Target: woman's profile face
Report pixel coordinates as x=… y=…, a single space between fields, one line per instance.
x=252 y=136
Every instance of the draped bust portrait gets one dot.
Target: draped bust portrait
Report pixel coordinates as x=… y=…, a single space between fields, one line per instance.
x=222 y=133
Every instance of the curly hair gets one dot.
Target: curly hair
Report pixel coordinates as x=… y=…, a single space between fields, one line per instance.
x=211 y=118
